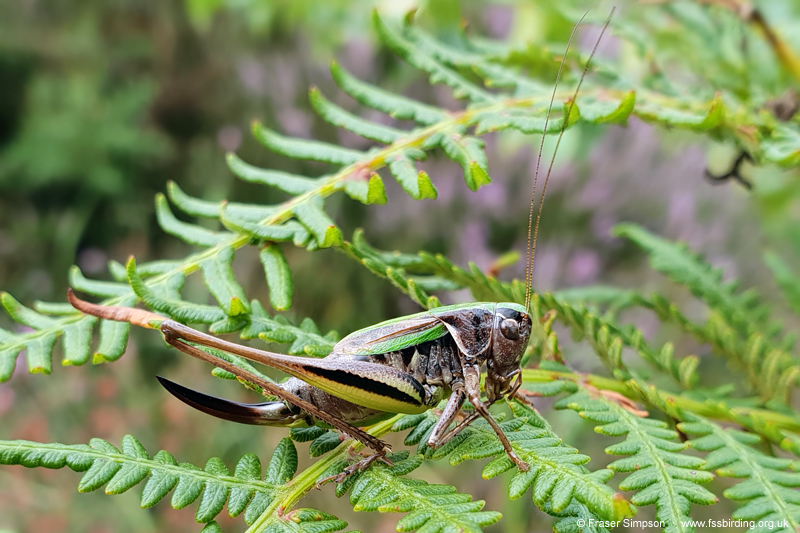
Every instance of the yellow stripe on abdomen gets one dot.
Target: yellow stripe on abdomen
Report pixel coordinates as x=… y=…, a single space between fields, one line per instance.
x=400 y=396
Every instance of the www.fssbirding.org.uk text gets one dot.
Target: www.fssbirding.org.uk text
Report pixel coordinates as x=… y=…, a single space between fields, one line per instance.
x=648 y=524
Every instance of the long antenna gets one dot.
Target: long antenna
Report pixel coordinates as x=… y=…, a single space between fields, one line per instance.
x=531 y=248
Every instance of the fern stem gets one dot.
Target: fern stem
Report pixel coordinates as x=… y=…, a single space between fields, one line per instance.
x=302 y=483
x=674 y=402
x=782 y=50
x=150 y=464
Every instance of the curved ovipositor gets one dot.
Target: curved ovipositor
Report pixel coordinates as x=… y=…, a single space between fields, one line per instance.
x=274 y=413
x=277 y=412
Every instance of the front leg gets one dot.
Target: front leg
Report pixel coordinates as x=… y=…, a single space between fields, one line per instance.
x=472 y=380
x=459 y=428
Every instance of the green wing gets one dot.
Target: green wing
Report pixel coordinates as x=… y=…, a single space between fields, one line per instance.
x=398 y=333
x=392 y=336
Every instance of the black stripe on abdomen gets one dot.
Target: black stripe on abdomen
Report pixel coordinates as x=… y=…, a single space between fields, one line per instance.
x=376 y=387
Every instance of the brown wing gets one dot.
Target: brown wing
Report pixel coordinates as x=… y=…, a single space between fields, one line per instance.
x=471 y=328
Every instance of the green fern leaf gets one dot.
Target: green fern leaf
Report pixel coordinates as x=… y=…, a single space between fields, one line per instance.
x=130 y=474
x=279 y=277
x=738 y=326
x=162 y=480
x=688 y=115
x=119 y=471
x=392 y=104
x=683 y=267
x=215 y=494
x=288 y=231
x=659 y=473
x=416 y=183
x=188 y=233
x=429 y=507
x=339 y=117
x=367 y=191
x=768 y=487
x=312 y=216
x=467 y=152
x=607 y=340
x=211 y=527
x=248 y=469
x=104 y=289
x=174 y=307
x=782 y=145
x=437 y=71
x=284 y=181
x=785 y=278
x=113 y=337
x=556 y=476
x=218 y=275
x=305 y=149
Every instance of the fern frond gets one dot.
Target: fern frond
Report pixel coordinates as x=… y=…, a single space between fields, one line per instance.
x=738 y=327
x=659 y=473
x=265 y=503
x=608 y=339
x=429 y=507
x=556 y=476
x=785 y=279
x=768 y=486
x=683 y=267
x=781 y=427
x=523 y=107
x=120 y=470
x=75 y=330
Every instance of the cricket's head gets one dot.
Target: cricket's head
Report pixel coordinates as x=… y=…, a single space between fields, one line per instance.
x=512 y=328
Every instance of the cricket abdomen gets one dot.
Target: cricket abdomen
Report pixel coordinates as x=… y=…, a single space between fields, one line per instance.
x=435 y=364
x=350 y=412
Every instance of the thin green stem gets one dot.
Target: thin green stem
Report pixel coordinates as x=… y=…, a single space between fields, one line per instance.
x=676 y=402
x=294 y=491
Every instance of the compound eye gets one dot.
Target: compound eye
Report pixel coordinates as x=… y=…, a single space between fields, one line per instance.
x=510 y=329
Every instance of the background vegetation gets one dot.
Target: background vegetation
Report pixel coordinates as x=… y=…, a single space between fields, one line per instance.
x=103 y=103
